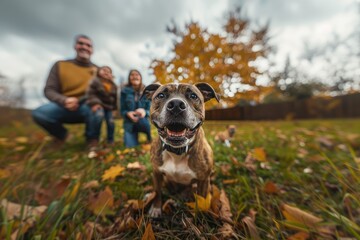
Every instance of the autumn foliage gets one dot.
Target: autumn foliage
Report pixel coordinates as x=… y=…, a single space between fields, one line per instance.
x=226 y=60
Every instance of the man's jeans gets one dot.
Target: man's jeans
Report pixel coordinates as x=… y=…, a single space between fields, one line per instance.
x=52 y=116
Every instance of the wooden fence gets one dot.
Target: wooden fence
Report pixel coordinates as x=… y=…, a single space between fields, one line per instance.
x=347 y=106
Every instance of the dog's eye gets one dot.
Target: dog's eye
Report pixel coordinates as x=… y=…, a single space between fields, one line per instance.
x=160 y=96
x=193 y=96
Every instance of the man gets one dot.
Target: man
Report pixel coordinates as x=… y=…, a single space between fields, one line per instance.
x=65 y=88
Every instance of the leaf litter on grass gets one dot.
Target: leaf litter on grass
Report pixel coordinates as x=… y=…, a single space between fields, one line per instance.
x=253 y=180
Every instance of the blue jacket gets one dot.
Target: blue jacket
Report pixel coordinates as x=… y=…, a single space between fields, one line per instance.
x=127 y=103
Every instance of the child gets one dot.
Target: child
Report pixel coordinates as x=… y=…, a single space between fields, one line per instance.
x=102 y=98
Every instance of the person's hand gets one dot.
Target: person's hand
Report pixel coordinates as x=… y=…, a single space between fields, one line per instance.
x=140 y=112
x=71 y=103
x=96 y=107
x=133 y=116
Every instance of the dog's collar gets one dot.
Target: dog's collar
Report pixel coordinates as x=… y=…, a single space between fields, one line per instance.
x=177 y=151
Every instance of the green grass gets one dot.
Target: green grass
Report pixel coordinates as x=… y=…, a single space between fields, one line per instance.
x=314 y=165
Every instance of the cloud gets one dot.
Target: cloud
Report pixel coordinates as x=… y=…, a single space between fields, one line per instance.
x=129 y=34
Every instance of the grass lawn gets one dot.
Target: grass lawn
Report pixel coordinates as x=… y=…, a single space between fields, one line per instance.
x=278 y=180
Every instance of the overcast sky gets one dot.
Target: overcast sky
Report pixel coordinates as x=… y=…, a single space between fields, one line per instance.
x=129 y=34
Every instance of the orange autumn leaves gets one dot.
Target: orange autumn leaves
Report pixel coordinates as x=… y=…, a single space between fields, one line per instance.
x=225 y=61
x=112 y=173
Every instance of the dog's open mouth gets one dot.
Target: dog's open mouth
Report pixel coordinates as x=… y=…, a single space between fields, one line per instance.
x=177 y=134
x=176 y=130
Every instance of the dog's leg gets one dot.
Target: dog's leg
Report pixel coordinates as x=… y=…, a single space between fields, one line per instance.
x=155 y=209
x=227 y=143
x=203 y=187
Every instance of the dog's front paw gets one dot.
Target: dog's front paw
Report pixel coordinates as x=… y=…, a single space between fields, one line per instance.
x=155 y=212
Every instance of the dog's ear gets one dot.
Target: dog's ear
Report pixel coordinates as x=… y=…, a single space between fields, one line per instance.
x=207 y=91
x=150 y=90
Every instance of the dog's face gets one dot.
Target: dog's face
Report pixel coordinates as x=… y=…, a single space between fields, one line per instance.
x=177 y=110
x=231 y=130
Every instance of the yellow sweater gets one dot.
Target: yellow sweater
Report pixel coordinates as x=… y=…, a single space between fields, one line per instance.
x=74 y=78
x=68 y=78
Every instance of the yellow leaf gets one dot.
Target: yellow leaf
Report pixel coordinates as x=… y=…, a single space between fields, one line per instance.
x=21 y=139
x=201 y=203
x=112 y=173
x=109 y=158
x=229 y=181
x=149 y=233
x=136 y=204
x=4 y=173
x=146 y=147
x=259 y=154
x=72 y=194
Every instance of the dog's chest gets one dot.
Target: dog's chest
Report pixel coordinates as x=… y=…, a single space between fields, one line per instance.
x=176 y=168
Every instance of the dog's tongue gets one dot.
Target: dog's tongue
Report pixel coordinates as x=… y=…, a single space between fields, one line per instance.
x=176 y=134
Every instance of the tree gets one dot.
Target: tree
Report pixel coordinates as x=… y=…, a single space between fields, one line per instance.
x=12 y=93
x=294 y=84
x=227 y=61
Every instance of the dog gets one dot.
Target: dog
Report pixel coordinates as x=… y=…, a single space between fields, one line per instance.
x=226 y=136
x=181 y=157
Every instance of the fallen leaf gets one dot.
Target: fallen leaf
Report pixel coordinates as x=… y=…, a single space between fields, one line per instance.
x=135 y=165
x=45 y=196
x=21 y=139
x=265 y=165
x=316 y=158
x=299 y=236
x=101 y=203
x=250 y=224
x=270 y=187
x=92 y=154
x=235 y=161
x=112 y=173
x=168 y=206
x=225 y=210
x=146 y=147
x=90 y=228
x=109 y=158
x=296 y=215
x=91 y=184
x=225 y=169
x=4 y=173
x=226 y=231
x=229 y=181
x=73 y=193
x=201 y=203
x=25 y=213
x=250 y=163
x=136 y=204
x=148 y=198
x=325 y=142
x=215 y=200
x=149 y=233
x=259 y=154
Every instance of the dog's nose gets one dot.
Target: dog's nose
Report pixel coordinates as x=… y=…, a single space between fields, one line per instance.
x=176 y=106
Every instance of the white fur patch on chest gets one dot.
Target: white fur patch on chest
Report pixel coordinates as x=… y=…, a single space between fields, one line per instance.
x=176 y=168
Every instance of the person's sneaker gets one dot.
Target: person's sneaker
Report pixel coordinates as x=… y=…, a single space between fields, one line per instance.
x=55 y=144
x=92 y=144
x=92 y=147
